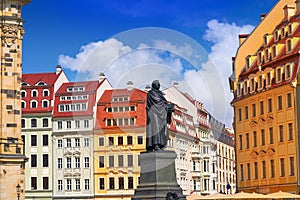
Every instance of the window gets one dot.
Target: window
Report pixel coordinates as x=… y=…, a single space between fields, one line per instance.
x=69 y=184
x=33 y=160
x=248 y=171
x=86 y=123
x=254 y=139
x=288 y=45
x=292 y=168
x=86 y=184
x=59 y=163
x=120 y=140
x=68 y=142
x=77 y=124
x=33 y=123
x=68 y=124
x=111 y=183
x=261 y=105
x=271 y=135
x=241 y=142
x=289 y=100
x=101 y=141
x=242 y=172
x=121 y=183
x=86 y=162
x=45 y=140
x=33 y=183
x=34 y=93
x=140 y=139
x=33 y=104
x=45 y=160
x=130 y=160
x=23 y=123
x=246 y=87
x=263 y=163
x=269 y=105
x=23 y=94
x=255 y=171
x=59 y=125
x=69 y=163
x=252 y=85
x=240 y=114
x=33 y=140
x=77 y=142
x=45 y=93
x=282 y=170
x=246 y=112
x=278 y=74
x=247 y=141
x=129 y=140
x=280 y=128
x=260 y=82
x=77 y=184
x=253 y=110
x=268 y=79
x=120 y=161
x=110 y=141
x=272 y=168
x=45 y=183
x=111 y=161
x=45 y=104
x=23 y=104
x=77 y=162
x=59 y=143
x=45 y=122
x=101 y=161
x=290 y=129
x=101 y=184
x=130 y=182
x=263 y=137
x=59 y=185
x=288 y=72
x=274 y=51
x=86 y=142
x=279 y=102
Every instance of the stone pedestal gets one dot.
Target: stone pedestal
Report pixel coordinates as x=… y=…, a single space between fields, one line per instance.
x=158 y=176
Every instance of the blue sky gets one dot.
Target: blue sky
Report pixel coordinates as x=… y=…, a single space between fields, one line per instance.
x=128 y=39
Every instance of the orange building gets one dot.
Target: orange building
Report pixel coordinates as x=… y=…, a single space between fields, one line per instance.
x=266 y=103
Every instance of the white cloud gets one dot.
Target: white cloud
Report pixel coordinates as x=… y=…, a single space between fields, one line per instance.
x=148 y=62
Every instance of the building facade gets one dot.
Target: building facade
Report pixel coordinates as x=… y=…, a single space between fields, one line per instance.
x=37 y=109
x=266 y=103
x=12 y=159
x=119 y=138
x=73 y=140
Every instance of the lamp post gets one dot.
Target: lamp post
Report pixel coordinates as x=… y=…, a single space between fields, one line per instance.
x=18 y=188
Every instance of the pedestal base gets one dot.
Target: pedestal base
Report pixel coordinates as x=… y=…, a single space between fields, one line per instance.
x=158 y=176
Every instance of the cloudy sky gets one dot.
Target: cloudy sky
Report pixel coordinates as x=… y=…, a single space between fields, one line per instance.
x=190 y=42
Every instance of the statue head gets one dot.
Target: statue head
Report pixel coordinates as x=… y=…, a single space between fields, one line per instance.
x=155 y=84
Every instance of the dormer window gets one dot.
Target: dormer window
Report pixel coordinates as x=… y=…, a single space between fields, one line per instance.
x=239 y=89
x=282 y=32
x=290 y=29
x=25 y=84
x=246 y=87
x=288 y=71
x=267 y=54
x=268 y=79
x=252 y=85
x=266 y=41
x=260 y=82
x=288 y=45
x=75 y=89
x=259 y=57
x=278 y=74
x=276 y=35
x=41 y=83
x=274 y=51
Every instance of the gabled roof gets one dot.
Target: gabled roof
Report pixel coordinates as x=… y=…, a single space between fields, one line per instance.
x=134 y=95
x=90 y=86
x=33 y=79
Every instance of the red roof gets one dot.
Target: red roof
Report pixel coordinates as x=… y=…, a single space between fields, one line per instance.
x=33 y=79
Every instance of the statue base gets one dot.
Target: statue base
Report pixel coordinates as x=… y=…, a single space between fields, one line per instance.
x=158 y=176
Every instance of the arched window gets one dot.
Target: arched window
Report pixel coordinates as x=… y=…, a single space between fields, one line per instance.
x=23 y=93
x=41 y=83
x=23 y=104
x=45 y=103
x=25 y=84
x=46 y=93
x=33 y=104
x=34 y=93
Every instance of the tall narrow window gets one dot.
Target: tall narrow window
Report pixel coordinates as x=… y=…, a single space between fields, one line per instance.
x=33 y=183
x=254 y=139
x=69 y=184
x=240 y=114
x=111 y=161
x=247 y=141
x=121 y=183
x=33 y=140
x=279 y=102
x=253 y=110
x=86 y=184
x=129 y=140
x=59 y=185
x=69 y=163
x=33 y=160
x=272 y=165
x=290 y=127
x=241 y=142
x=130 y=160
x=33 y=123
x=111 y=183
x=120 y=161
x=263 y=137
x=45 y=122
x=120 y=140
x=270 y=105
x=101 y=184
x=255 y=171
x=45 y=183
x=280 y=133
x=263 y=163
x=242 y=172
x=248 y=171
x=292 y=167
x=261 y=105
x=282 y=170
x=45 y=140
x=289 y=100
x=45 y=160
x=246 y=112
x=101 y=161
x=130 y=182
x=271 y=135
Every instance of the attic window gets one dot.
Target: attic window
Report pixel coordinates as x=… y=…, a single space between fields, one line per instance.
x=41 y=83
x=274 y=51
x=276 y=35
x=248 y=62
x=288 y=45
x=290 y=29
x=25 y=84
x=282 y=32
x=75 y=89
x=266 y=39
x=267 y=54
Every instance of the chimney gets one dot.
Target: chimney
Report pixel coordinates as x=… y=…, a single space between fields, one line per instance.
x=297 y=6
x=242 y=38
x=289 y=11
x=262 y=16
x=58 y=69
x=129 y=85
x=147 y=88
x=101 y=76
x=176 y=84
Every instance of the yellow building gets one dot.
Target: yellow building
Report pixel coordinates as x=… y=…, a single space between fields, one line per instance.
x=119 y=137
x=266 y=103
x=12 y=159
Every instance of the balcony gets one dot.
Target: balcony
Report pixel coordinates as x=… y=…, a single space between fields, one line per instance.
x=196 y=174
x=196 y=155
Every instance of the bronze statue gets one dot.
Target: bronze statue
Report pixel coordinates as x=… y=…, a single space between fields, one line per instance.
x=158 y=115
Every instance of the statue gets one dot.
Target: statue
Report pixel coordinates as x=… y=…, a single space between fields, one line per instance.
x=158 y=115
